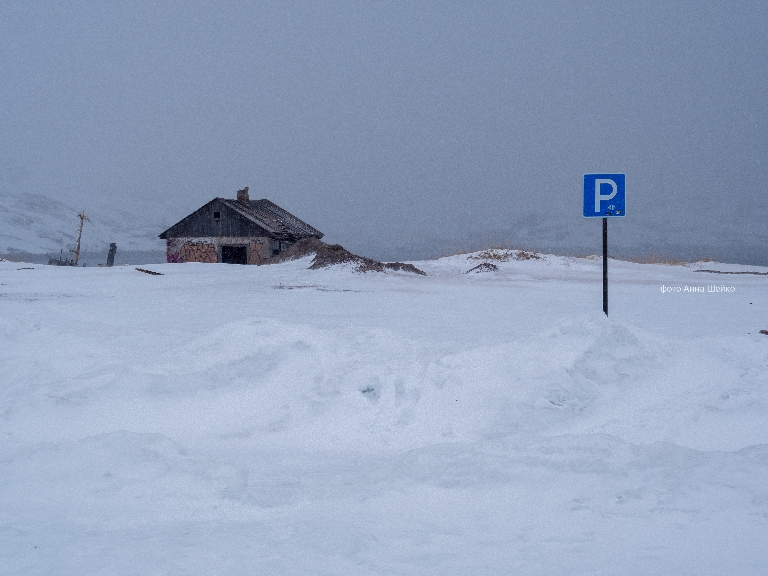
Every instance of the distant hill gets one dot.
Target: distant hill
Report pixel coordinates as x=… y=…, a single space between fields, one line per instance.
x=37 y=224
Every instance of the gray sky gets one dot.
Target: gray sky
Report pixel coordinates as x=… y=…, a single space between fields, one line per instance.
x=402 y=129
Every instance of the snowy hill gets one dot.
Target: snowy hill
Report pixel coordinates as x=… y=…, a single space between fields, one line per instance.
x=38 y=224
x=221 y=419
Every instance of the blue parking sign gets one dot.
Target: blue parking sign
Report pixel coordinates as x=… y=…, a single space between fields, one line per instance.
x=604 y=195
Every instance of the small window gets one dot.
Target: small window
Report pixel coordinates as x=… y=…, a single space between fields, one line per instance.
x=217 y=215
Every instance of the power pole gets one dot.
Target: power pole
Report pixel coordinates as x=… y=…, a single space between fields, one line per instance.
x=83 y=219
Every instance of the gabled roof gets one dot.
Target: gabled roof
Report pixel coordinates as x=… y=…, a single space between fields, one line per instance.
x=256 y=217
x=272 y=218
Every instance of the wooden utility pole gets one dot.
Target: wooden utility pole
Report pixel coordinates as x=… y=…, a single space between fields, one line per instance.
x=83 y=219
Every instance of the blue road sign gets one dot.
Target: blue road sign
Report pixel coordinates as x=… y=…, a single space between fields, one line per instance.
x=604 y=195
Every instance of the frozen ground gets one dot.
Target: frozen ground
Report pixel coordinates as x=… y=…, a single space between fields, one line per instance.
x=276 y=420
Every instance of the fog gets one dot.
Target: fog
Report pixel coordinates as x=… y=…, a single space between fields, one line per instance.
x=402 y=130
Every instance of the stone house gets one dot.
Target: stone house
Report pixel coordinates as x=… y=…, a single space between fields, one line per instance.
x=241 y=231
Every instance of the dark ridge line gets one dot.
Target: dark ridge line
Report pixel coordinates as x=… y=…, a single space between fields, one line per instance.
x=719 y=272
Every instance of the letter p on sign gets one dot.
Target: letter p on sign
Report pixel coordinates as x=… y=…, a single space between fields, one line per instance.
x=599 y=197
x=604 y=195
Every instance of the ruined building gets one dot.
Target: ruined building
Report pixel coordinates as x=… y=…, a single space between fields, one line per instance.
x=241 y=231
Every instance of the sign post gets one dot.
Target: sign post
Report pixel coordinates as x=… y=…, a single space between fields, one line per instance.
x=604 y=197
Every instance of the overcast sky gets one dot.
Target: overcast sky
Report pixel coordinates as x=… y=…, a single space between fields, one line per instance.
x=402 y=129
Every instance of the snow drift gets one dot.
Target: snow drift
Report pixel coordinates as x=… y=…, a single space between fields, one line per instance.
x=280 y=420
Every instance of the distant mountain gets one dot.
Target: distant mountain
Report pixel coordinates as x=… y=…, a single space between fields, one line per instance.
x=35 y=223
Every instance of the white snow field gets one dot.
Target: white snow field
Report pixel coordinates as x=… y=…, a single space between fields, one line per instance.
x=224 y=419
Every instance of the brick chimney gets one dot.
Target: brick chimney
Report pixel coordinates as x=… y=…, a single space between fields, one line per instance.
x=242 y=195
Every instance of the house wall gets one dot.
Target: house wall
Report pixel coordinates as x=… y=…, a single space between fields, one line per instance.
x=208 y=248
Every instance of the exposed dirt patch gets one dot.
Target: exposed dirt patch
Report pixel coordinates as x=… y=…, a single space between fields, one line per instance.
x=524 y=255
x=484 y=267
x=402 y=267
x=332 y=254
x=504 y=255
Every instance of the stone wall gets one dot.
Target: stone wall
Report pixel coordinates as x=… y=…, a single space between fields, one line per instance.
x=198 y=252
x=208 y=249
x=255 y=246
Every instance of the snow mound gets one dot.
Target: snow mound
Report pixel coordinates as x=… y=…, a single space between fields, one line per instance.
x=326 y=255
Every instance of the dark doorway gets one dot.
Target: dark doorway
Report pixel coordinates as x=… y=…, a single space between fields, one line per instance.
x=234 y=255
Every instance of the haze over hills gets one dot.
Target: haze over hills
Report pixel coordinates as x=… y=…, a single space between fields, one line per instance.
x=35 y=224
x=677 y=240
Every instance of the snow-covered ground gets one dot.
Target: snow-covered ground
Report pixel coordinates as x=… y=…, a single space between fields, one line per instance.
x=277 y=420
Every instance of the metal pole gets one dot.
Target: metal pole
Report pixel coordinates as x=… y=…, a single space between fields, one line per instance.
x=605 y=266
